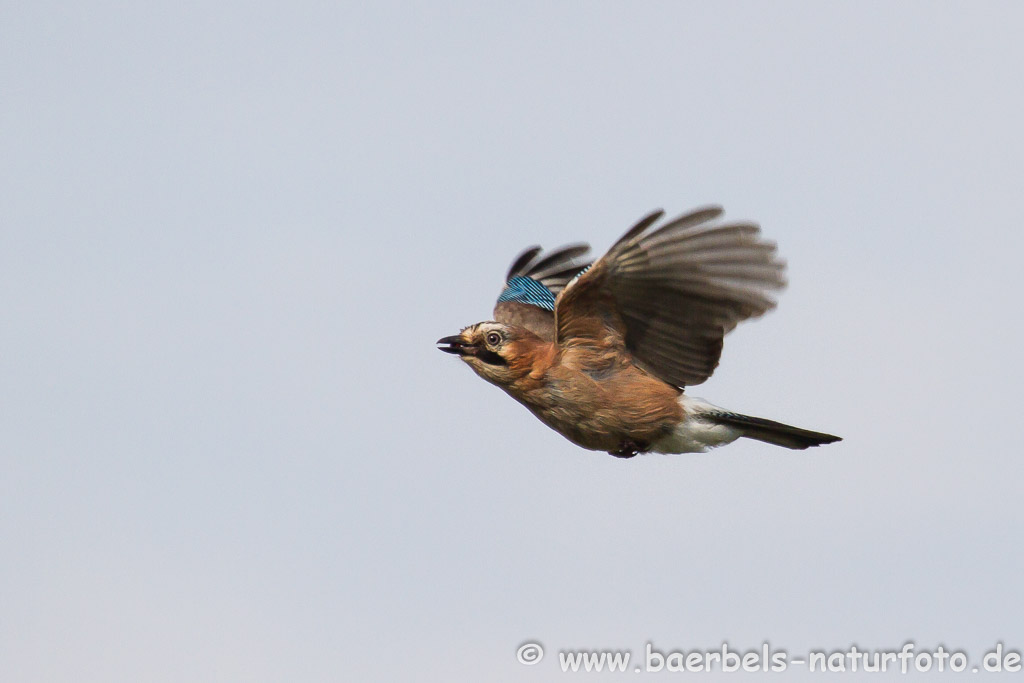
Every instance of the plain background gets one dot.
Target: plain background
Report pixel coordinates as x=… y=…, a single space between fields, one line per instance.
x=231 y=232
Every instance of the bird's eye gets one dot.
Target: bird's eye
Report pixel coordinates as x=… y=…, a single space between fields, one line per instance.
x=493 y=338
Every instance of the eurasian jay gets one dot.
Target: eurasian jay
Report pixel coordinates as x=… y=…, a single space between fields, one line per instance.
x=601 y=352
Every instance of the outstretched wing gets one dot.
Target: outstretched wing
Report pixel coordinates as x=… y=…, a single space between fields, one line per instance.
x=670 y=294
x=532 y=283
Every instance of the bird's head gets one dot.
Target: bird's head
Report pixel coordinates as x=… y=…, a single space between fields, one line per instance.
x=499 y=353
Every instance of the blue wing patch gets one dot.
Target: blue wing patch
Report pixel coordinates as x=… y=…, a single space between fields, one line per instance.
x=526 y=290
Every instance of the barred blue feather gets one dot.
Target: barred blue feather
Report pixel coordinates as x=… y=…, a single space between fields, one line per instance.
x=526 y=290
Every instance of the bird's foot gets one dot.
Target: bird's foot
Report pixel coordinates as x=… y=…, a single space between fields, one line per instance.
x=628 y=448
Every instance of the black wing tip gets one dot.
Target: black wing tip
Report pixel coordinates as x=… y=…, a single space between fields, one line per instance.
x=538 y=265
x=641 y=225
x=522 y=261
x=700 y=214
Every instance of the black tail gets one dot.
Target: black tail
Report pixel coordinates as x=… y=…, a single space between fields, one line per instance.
x=772 y=432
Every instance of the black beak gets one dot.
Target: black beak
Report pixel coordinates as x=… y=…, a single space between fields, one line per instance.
x=455 y=344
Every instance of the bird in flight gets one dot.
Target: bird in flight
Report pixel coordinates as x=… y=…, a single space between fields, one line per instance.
x=601 y=352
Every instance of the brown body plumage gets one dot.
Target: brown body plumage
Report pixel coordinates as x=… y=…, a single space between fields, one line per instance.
x=594 y=396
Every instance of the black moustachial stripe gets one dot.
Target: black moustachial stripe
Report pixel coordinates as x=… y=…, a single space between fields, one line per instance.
x=490 y=357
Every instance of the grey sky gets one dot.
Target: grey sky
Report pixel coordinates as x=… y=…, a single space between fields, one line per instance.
x=230 y=234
